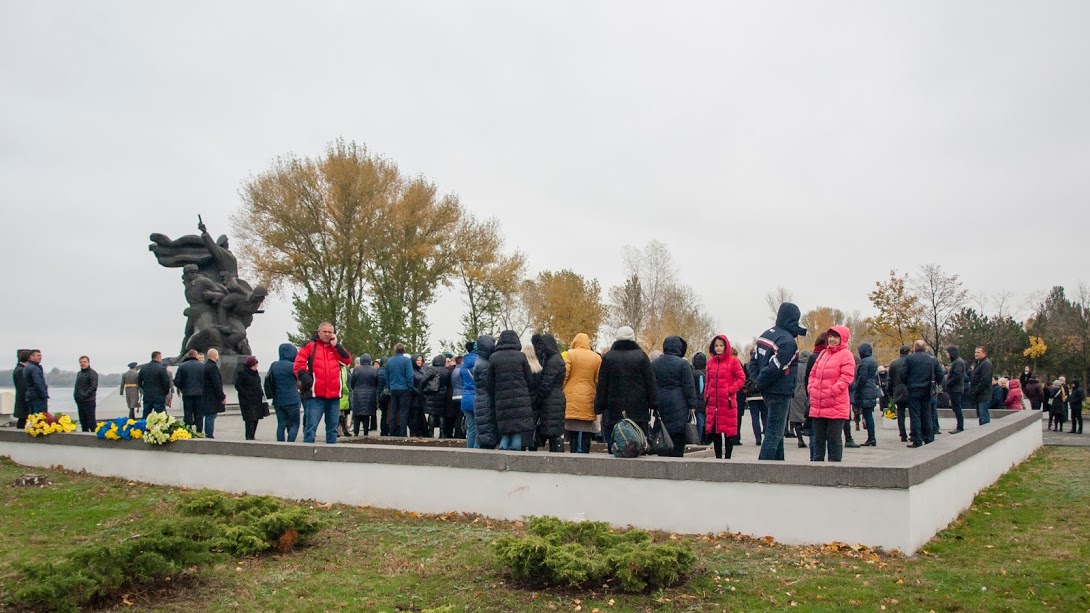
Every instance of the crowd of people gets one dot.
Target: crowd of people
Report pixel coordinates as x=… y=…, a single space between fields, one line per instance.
x=506 y=394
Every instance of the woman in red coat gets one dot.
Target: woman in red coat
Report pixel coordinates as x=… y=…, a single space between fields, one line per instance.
x=830 y=403
x=723 y=380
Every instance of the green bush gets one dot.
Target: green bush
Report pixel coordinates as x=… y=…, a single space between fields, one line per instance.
x=576 y=554
x=248 y=525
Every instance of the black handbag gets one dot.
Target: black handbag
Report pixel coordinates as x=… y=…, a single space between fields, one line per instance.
x=661 y=443
x=264 y=408
x=692 y=433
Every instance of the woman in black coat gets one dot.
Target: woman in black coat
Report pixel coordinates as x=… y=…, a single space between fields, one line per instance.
x=676 y=390
x=549 y=402
x=436 y=390
x=626 y=384
x=250 y=396
x=363 y=389
x=508 y=381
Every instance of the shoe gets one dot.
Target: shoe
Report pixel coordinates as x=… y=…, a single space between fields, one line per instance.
x=938 y=432
x=850 y=444
x=914 y=445
x=904 y=439
x=956 y=430
x=802 y=444
x=870 y=443
x=758 y=443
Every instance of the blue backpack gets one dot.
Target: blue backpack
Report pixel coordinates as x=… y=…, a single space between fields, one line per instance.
x=628 y=439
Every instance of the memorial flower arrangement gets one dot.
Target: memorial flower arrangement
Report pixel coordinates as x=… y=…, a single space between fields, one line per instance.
x=162 y=429
x=41 y=424
x=121 y=428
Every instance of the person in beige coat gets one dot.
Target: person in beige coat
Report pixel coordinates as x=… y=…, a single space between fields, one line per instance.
x=580 y=383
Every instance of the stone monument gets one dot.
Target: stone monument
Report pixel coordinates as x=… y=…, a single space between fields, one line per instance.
x=221 y=305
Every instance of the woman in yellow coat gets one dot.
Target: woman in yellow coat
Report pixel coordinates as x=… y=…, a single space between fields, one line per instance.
x=580 y=383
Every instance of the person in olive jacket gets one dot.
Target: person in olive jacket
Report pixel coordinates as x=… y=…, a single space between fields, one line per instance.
x=250 y=398
x=549 y=402
x=508 y=384
x=676 y=390
x=626 y=385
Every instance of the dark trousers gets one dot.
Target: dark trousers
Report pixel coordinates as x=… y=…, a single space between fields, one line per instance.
x=383 y=415
x=901 y=407
x=679 y=444
x=723 y=444
x=1076 y=419
x=553 y=442
x=361 y=420
x=847 y=430
x=154 y=404
x=933 y=412
x=86 y=415
x=827 y=435
x=398 y=414
x=190 y=406
x=20 y=423
x=919 y=414
x=251 y=430
x=775 y=423
x=758 y=415
x=868 y=421
x=955 y=405
x=579 y=442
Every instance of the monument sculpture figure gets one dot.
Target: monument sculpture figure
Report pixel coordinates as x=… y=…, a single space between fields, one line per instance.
x=221 y=305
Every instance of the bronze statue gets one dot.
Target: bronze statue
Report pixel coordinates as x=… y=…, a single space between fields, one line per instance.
x=221 y=306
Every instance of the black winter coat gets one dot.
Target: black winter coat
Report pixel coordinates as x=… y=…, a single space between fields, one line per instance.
x=955 y=379
x=189 y=378
x=549 y=401
x=154 y=381
x=774 y=364
x=674 y=382
x=700 y=376
x=980 y=384
x=865 y=385
x=20 y=391
x=920 y=371
x=626 y=384
x=363 y=385
x=436 y=404
x=36 y=388
x=86 y=389
x=484 y=413
x=509 y=386
x=248 y=386
x=212 y=395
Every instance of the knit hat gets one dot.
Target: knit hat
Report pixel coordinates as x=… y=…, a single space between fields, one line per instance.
x=251 y=361
x=625 y=333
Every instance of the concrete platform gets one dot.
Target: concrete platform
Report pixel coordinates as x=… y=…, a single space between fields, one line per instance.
x=897 y=498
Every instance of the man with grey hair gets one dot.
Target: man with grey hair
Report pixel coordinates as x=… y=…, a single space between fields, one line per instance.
x=318 y=368
x=919 y=374
x=213 y=400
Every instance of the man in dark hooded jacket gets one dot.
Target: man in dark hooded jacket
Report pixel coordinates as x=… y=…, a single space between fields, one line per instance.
x=282 y=389
x=626 y=385
x=773 y=368
x=955 y=385
x=508 y=385
x=676 y=390
x=484 y=414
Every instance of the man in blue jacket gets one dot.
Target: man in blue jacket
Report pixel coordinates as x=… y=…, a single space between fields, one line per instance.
x=773 y=367
x=282 y=390
x=399 y=380
x=469 y=392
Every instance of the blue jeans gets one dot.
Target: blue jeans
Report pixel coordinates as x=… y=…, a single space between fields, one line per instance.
x=316 y=409
x=701 y=416
x=471 y=430
x=154 y=404
x=758 y=414
x=512 y=442
x=982 y=412
x=775 y=423
x=287 y=423
x=209 y=425
x=955 y=404
x=868 y=419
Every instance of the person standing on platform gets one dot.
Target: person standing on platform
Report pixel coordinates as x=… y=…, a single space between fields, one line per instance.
x=248 y=387
x=189 y=381
x=580 y=382
x=86 y=394
x=626 y=385
x=154 y=384
x=37 y=392
x=318 y=368
x=920 y=372
x=130 y=389
x=363 y=386
x=955 y=386
x=724 y=378
x=399 y=380
x=980 y=385
x=773 y=368
x=213 y=400
x=18 y=379
x=829 y=387
x=282 y=391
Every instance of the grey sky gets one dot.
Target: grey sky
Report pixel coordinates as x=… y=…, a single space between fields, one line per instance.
x=809 y=145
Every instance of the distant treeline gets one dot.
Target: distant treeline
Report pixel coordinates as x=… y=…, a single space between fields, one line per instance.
x=62 y=378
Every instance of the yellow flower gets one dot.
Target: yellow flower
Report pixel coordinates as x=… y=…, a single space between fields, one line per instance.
x=136 y=433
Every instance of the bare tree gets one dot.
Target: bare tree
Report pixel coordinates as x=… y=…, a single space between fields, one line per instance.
x=774 y=298
x=941 y=296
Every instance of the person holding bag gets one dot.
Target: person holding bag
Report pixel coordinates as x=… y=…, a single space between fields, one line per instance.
x=724 y=378
x=676 y=393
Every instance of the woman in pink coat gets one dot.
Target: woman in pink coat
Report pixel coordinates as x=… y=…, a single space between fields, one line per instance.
x=830 y=404
x=1014 y=396
x=723 y=380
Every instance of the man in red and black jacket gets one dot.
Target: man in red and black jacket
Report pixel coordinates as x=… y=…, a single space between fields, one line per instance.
x=318 y=368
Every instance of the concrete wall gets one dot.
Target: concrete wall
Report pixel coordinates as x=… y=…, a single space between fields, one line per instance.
x=898 y=507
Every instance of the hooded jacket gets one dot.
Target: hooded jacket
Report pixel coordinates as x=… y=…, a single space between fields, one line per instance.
x=674 y=384
x=831 y=378
x=318 y=368
x=955 y=379
x=363 y=388
x=550 y=403
x=775 y=360
x=865 y=386
x=700 y=379
x=580 y=379
x=483 y=412
x=724 y=378
x=1014 y=396
x=508 y=384
x=281 y=386
x=436 y=404
x=626 y=384
x=465 y=373
x=188 y=377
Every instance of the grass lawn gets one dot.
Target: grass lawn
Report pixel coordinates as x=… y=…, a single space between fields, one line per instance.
x=1024 y=545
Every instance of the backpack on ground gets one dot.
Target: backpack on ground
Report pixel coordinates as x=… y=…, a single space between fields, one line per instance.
x=628 y=439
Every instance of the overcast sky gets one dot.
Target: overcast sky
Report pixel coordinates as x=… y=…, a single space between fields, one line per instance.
x=803 y=144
